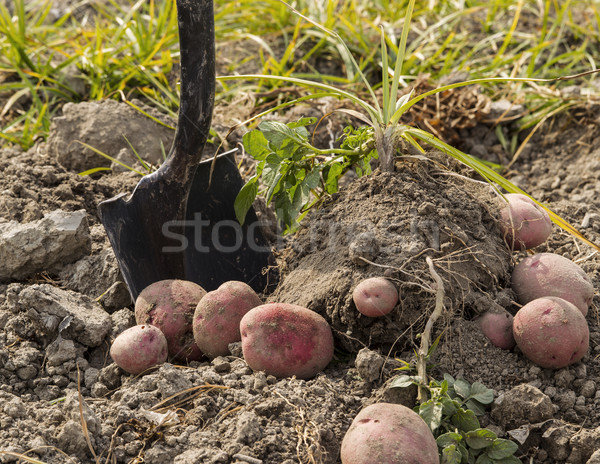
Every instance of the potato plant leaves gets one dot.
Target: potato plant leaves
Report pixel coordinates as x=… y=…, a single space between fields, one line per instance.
x=292 y=174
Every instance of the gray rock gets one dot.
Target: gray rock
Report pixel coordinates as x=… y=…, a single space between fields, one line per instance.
x=47 y=306
x=521 y=405
x=106 y=126
x=59 y=237
x=369 y=364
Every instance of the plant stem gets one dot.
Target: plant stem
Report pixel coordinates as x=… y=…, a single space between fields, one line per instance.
x=426 y=335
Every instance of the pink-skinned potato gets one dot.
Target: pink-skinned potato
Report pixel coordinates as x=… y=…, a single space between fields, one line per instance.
x=218 y=314
x=375 y=297
x=551 y=332
x=139 y=348
x=388 y=433
x=524 y=223
x=549 y=274
x=497 y=326
x=170 y=305
x=286 y=340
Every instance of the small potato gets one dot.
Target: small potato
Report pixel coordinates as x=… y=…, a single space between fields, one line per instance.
x=497 y=326
x=284 y=340
x=551 y=332
x=524 y=223
x=139 y=348
x=389 y=433
x=549 y=274
x=218 y=315
x=170 y=305
x=375 y=297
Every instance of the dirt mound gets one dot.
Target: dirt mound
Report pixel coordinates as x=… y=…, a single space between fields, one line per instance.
x=386 y=225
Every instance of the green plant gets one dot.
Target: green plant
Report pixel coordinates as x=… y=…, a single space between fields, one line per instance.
x=295 y=192
x=451 y=413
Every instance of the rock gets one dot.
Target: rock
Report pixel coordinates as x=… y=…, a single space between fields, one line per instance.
x=369 y=364
x=95 y=275
x=594 y=458
x=45 y=245
x=106 y=126
x=47 y=306
x=521 y=405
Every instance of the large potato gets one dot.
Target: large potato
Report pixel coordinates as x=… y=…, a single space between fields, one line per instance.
x=139 y=348
x=524 y=223
x=218 y=315
x=387 y=433
x=375 y=297
x=549 y=274
x=170 y=305
x=551 y=332
x=496 y=325
x=284 y=340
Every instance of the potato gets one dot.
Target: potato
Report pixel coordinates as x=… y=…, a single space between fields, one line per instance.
x=549 y=274
x=284 y=340
x=388 y=433
x=218 y=314
x=497 y=326
x=375 y=297
x=551 y=332
x=524 y=223
x=170 y=305
x=139 y=348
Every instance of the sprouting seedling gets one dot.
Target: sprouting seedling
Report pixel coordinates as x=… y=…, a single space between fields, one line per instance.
x=297 y=175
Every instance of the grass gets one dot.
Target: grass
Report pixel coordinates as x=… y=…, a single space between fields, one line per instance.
x=123 y=50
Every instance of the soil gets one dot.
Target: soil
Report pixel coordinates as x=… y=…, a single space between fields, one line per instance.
x=64 y=401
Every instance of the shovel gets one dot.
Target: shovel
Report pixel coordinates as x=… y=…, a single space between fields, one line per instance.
x=179 y=222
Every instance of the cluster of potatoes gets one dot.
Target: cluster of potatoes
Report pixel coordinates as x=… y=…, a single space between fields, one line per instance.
x=178 y=319
x=550 y=328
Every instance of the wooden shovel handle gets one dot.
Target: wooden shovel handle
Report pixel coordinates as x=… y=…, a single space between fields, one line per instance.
x=197 y=87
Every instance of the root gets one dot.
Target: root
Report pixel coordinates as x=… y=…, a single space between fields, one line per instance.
x=426 y=335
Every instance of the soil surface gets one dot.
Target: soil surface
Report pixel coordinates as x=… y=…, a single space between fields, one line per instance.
x=62 y=301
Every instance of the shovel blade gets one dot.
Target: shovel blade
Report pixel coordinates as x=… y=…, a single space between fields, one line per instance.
x=219 y=248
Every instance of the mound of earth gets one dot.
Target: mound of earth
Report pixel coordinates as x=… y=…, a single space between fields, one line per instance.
x=387 y=224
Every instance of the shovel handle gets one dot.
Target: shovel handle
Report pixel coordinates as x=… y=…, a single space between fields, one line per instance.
x=197 y=87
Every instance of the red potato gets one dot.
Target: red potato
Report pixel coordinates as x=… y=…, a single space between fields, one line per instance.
x=170 y=305
x=375 y=297
x=286 y=340
x=551 y=332
x=549 y=274
x=139 y=348
x=388 y=433
x=218 y=314
x=498 y=327
x=524 y=223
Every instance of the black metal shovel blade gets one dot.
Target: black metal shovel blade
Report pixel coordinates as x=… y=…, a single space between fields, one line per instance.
x=219 y=248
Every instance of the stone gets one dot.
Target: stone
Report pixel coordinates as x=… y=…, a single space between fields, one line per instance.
x=521 y=405
x=45 y=245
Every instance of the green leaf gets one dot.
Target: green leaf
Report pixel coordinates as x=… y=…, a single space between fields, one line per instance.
x=508 y=460
x=451 y=455
x=465 y=420
x=449 y=438
x=462 y=388
x=450 y=406
x=502 y=448
x=302 y=122
x=245 y=198
x=404 y=381
x=313 y=178
x=480 y=438
x=333 y=174
x=278 y=133
x=484 y=459
x=481 y=393
x=431 y=413
x=256 y=144
x=475 y=406
x=448 y=378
